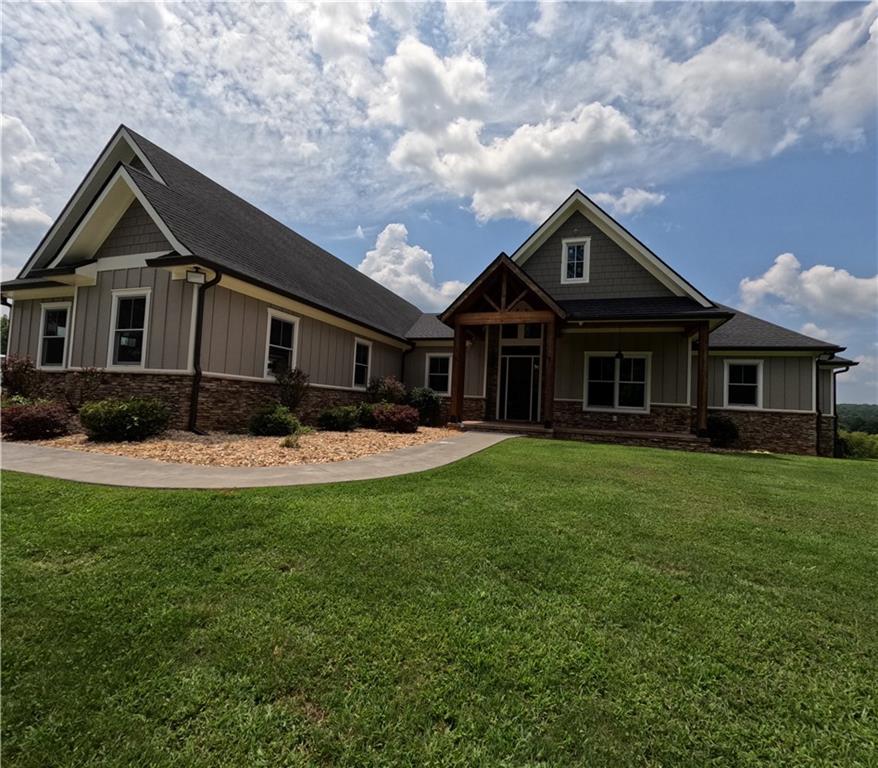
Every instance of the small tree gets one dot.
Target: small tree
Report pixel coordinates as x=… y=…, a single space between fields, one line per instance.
x=388 y=389
x=292 y=386
x=82 y=386
x=20 y=377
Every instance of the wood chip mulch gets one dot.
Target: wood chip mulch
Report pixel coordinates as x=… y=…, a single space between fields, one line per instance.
x=221 y=449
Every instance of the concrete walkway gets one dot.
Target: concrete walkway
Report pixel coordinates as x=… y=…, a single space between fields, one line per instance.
x=106 y=469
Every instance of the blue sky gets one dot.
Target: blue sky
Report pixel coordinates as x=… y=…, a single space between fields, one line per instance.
x=418 y=141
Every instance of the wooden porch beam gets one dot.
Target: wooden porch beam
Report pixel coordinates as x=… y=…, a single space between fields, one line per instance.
x=499 y=318
x=701 y=386
x=550 y=337
x=519 y=297
x=458 y=366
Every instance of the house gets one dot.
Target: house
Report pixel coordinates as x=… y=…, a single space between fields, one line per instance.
x=176 y=287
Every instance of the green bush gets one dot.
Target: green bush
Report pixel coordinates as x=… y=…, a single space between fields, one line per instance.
x=396 y=418
x=857 y=445
x=386 y=390
x=366 y=415
x=721 y=430
x=342 y=418
x=38 y=420
x=428 y=404
x=129 y=420
x=274 y=421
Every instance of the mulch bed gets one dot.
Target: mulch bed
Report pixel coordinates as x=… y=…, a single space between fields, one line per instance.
x=222 y=449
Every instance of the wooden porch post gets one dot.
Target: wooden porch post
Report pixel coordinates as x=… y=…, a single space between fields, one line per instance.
x=458 y=367
x=701 y=388
x=548 y=399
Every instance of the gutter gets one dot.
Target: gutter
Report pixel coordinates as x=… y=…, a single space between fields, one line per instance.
x=196 y=351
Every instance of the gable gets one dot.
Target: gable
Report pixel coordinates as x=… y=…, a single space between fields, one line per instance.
x=615 y=233
x=135 y=233
x=613 y=273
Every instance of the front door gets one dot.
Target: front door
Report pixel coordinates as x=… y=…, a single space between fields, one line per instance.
x=519 y=395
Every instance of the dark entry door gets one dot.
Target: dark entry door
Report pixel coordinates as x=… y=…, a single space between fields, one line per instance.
x=522 y=376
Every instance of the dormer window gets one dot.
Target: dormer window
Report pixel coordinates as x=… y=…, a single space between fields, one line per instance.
x=575 y=260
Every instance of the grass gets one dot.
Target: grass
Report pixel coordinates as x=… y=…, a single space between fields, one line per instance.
x=539 y=604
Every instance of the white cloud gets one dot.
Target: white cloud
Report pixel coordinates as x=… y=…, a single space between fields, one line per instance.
x=28 y=215
x=340 y=30
x=471 y=23
x=425 y=92
x=815 y=331
x=525 y=174
x=629 y=201
x=821 y=288
x=548 y=19
x=408 y=270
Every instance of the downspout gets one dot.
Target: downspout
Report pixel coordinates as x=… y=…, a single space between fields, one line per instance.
x=402 y=362
x=196 y=351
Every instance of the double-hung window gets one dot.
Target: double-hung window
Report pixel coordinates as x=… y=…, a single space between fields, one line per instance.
x=362 y=359
x=130 y=315
x=281 y=353
x=53 y=335
x=616 y=383
x=439 y=373
x=575 y=257
x=744 y=384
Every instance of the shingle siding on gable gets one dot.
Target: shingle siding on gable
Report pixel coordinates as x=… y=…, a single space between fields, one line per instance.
x=135 y=233
x=613 y=274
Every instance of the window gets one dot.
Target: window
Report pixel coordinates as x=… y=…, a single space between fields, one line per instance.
x=743 y=384
x=509 y=331
x=281 y=343
x=632 y=382
x=439 y=373
x=575 y=260
x=362 y=355
x=601 y=382
x=129 y=328
x=617 y=384
x=533 y=331
x=53 y=337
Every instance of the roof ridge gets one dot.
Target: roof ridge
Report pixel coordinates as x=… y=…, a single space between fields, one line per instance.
x=259 y=211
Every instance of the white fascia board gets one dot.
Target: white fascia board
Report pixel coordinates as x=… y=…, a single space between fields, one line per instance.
x=102 y=166
x=616 y=232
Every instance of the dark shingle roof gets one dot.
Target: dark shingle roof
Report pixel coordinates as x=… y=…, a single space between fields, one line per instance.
x=658 y=307
x=429 y=326
x=744 y=331
x=222 y=228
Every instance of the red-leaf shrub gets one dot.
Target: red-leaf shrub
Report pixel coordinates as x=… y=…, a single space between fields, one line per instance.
x=386 y=390
x=34 y=421
x=20 y=377
x=395 y=418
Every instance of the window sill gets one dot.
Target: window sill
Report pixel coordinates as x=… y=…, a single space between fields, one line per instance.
x=730 y=407
x=599 y=409
x=575 y=281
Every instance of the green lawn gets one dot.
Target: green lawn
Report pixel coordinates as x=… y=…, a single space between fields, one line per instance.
x=539 y=604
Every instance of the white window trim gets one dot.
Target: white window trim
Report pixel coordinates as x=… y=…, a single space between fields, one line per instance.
x=431 y=355
x=586 y=260
x=64 y=355
x=354 y=385
x=267 y=374
x=759 y=388
x=647 y=384
x=128 y=293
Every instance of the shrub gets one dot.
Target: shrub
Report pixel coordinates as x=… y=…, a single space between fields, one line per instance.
x=366 y=415
x=129 y=420
x=386 y=390
x=721 y=430
x=20 y=376
x=274 y=420
x=292 y=386
x=857 y=445
x=82 y=386
x=34 y=420
x=427 y=403
x=396 y=418
x=342 y=418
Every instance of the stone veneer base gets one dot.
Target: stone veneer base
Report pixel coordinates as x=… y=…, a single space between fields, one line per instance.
x=227 y=404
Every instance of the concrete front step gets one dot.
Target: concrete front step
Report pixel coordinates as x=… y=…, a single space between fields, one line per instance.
x=507 y=427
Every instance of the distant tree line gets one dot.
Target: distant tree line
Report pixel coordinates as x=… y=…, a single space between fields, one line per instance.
x=860 y=417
